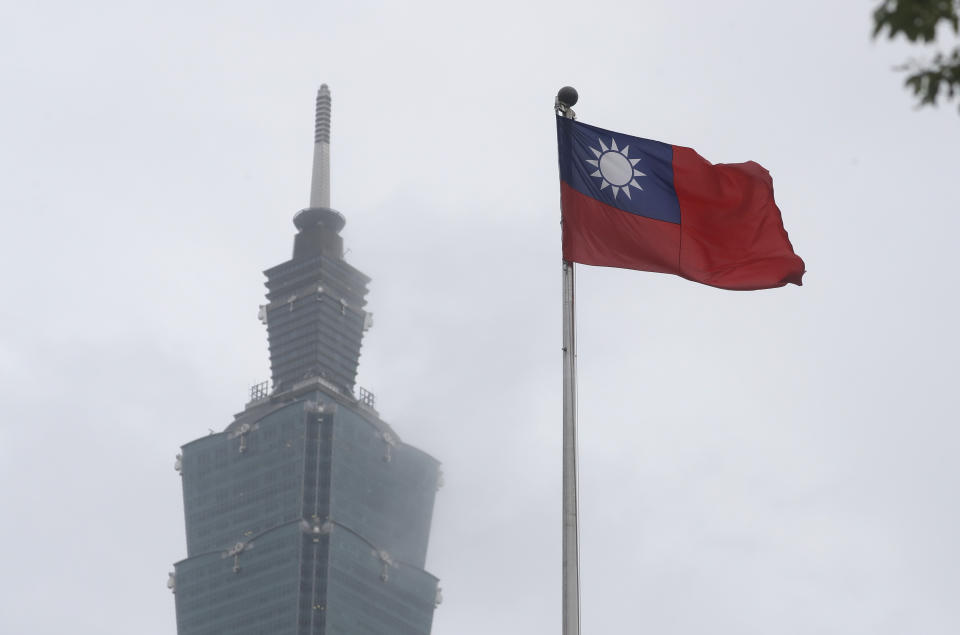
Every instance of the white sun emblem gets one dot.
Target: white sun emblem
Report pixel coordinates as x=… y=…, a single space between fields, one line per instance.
x=615 y=168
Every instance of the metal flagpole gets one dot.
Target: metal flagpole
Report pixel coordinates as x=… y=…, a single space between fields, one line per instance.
x=566 y=98
x=571 y=558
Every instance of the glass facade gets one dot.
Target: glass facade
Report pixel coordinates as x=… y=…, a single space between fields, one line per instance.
x=255 y=592
x=229 y=493
x=315 y=320
x=307 y=517
x=383 y=488
x=368 y=596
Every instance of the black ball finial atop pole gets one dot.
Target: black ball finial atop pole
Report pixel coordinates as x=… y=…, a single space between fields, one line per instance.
x=563 y=104
x=568 y=96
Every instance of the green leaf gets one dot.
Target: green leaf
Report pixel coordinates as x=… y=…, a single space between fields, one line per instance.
x=915 y=19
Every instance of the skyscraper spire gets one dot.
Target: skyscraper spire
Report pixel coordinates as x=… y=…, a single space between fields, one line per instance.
x=320 y=184
x=319 y=226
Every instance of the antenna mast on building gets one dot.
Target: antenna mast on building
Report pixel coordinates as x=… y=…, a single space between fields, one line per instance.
x=320 y=183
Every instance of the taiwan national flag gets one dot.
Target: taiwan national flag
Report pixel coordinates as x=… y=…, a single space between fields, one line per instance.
x=640 y=204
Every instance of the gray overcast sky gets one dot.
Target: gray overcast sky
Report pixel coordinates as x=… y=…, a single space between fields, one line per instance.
x=780 y=461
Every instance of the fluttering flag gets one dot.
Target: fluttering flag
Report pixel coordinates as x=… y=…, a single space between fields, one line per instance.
x=639 y=204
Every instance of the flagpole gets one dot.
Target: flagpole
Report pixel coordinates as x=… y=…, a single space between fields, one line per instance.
x=567 y=97
x=571 y=557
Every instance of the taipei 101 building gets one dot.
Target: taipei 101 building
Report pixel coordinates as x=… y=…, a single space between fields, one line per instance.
x=307 y=515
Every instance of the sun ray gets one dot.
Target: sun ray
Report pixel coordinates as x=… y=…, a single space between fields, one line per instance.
x=595 y=152
x=593 y=162
x=613 y=145
x=634 y=162
x=597 y=173
x=638 y=173
x=625 y=150
x=626 y=190
x=634 y=183
x=616 y=190
x=604 y=184
x=603 y=146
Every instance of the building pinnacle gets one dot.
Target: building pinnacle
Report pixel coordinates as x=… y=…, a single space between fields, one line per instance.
x=320 y=183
